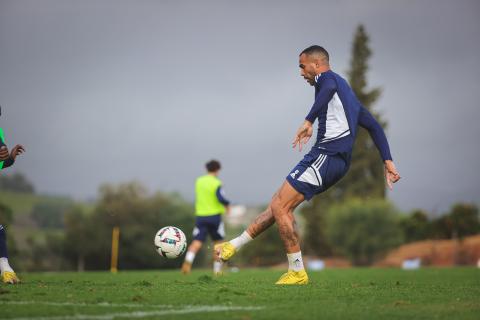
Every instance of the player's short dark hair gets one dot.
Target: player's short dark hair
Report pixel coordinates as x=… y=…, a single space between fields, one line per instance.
x=316 y=50
x=213 y=166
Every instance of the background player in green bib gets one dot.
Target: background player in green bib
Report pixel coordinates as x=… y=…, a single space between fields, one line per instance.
x=6 y=160
x=210 y=205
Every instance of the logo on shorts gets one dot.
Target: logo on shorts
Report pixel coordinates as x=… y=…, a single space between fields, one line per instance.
x=293 y=174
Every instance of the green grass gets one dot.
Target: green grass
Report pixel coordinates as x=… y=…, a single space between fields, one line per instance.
x=249 y=294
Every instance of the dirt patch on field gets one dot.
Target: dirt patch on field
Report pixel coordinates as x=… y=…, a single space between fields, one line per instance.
x=436 y=252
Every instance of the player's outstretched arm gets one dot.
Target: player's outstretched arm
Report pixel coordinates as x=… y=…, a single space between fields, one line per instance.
x=367 y=121
x=304 y=133
x=391 y=173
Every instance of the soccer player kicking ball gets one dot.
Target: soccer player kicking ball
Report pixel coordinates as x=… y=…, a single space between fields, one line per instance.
x=338 y=112
x=6 y=160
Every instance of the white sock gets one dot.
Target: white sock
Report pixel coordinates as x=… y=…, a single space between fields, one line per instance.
x=241 y=240
x=295 y=261
x=190 y=256
x=4 y=266
x=217 y=267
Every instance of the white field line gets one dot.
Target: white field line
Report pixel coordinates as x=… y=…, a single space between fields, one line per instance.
x=84 y=304
x=143 y=314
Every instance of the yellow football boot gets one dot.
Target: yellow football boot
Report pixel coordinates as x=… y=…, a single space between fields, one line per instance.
x=293 y=277
x=10 y=277
x=225 y=251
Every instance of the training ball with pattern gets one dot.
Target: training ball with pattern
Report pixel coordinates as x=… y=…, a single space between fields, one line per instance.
x=170 y=242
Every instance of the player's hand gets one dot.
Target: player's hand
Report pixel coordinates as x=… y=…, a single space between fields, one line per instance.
x=4 y=153
x=303 y=135
x=228 y=209
x=391 y=173
x=18 y=149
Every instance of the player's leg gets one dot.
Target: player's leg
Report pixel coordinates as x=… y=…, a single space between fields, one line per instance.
x=264 y=221
x=217 y=264
x=199 y=236
x=7 y=273
x=192 y=251
x=303 y=182
x=224 y=251
x=283 y=205
x=280 y=211
x=313 y=175
x=216 y=229
x=266 y=218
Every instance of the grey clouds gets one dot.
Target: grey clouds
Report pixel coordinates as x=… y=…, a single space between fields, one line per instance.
x=111 y=91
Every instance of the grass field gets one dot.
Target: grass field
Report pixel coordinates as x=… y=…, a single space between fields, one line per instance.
x=250 y=294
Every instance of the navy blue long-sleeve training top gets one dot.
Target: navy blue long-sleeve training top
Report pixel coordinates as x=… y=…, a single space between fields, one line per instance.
x=339 y=113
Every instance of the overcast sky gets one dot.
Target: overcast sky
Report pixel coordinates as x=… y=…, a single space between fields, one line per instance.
x=112 y=91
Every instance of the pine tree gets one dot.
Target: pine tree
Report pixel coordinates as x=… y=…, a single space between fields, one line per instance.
x=365 y=177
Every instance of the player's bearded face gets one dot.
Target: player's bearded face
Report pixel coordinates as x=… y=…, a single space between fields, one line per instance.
x=307 y=69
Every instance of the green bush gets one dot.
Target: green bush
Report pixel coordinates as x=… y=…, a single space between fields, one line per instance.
x=415 y=226
x=363 y=230
x=462 y=220
x=50 y=214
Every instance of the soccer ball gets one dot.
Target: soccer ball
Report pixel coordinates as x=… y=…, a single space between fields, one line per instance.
x=170 y=242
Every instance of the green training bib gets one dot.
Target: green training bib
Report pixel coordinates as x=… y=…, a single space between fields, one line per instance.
x=206 y=202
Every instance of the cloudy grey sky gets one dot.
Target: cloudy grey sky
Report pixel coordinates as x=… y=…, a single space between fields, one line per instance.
x=111 y=91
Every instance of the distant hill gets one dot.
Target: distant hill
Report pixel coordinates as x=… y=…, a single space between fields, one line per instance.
x=23 y=203
x=35 y=211
x=436 y=252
